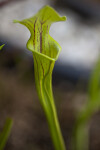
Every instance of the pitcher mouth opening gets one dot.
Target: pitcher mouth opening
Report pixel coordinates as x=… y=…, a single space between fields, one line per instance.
x=46 y=56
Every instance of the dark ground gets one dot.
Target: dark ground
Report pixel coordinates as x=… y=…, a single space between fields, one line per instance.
x=18 y=100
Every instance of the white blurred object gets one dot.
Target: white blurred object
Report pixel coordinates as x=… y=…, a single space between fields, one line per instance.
x=79 y=41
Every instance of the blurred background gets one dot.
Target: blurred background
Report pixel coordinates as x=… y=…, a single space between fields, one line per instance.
x=79 y=38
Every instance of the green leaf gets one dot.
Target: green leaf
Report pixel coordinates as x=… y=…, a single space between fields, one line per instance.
x=7 y=128
x=1 y=46
x=92 y=106
x=5 y=133
x=94 y=86
x=45 y=52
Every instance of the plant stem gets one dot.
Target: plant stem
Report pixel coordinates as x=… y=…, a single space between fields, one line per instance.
x=44 y=88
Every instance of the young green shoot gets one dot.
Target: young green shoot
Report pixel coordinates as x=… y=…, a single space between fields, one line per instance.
x=1 y=46
x=4 y=134
x=81 y=137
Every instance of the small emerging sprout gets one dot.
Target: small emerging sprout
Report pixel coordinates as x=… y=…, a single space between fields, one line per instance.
x=1 y=46
x=4 y=135
x=7 y=128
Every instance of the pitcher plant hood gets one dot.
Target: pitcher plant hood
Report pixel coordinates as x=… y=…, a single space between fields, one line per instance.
x=40 y=40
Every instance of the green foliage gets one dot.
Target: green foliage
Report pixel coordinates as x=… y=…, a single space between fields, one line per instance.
x=5 y=133
x=1 y=46
x=45 y=52
x=93 y=105
x=7 y=128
